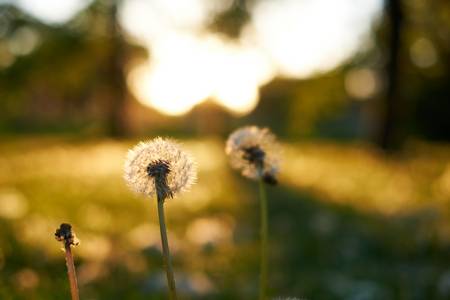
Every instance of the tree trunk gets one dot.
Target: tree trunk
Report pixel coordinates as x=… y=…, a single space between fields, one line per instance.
x=390 y=136
x=116 y=85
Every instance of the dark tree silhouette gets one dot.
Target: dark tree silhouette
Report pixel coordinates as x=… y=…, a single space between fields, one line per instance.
x=115 y=76
x=390 y=130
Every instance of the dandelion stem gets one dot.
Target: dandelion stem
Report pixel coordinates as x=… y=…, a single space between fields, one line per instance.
x=166 y=254
x=71 y=271
x=264 y=240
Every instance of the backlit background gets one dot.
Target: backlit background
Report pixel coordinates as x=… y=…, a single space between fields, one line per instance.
x=356 y=90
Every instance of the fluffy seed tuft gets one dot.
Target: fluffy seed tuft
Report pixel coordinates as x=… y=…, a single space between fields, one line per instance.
x=255 y=152
x=159 y=163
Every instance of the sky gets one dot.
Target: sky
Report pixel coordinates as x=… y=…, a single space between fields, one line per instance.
x=190 y=64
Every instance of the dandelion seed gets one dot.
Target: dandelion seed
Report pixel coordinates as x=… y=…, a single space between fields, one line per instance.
x=159 y=163
x=255 y=152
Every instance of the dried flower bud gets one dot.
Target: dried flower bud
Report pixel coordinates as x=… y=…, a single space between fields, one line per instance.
x=255 y=152
x=159 y=167
x=64 y=234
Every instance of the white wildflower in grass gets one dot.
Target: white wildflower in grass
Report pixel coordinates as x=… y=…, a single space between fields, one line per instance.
x=159 y=159
x=65 y=235
x=160 y=168
x=256 y=153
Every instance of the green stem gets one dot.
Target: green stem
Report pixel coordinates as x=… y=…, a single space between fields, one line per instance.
x=166 y=254
x=264 y=241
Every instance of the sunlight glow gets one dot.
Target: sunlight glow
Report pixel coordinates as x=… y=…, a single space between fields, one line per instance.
x=207 y=68
x=188 y=65
x=166 y=91
x=242 y=72
x=204 y=231
x=290 y=38
x=53 y=11
x=306 y=37
x=147 y=20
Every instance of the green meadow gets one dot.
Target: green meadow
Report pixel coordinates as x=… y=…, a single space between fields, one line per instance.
x=346 y=222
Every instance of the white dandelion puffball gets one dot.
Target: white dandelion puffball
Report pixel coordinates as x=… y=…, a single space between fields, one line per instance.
x=255 y=152
x=158 y=155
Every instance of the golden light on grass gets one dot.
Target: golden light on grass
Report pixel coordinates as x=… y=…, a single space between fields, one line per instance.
x=423 y=175
x=13 y=204
x=149 y=231
x=372 y=182
x=26 y=279
x=98 y=249
x=201 y=283
x=203 y=231
x=91 y=271
x=34 y=231
x=349 y=174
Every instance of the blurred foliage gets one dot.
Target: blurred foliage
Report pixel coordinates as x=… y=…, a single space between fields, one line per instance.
x=64 y=81
x=59 y=78
x=232 y=20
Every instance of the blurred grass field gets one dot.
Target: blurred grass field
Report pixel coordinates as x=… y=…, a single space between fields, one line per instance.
x=346 y=222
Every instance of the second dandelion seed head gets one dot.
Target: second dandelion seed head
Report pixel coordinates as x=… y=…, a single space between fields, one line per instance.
x=254 y=151
x=159 y=167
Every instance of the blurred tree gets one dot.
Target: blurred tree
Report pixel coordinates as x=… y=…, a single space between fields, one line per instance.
x=115 y=75
x=429 y=71
x=417 y=72
x=231 y=21
x=390 y=135
x=73 y=76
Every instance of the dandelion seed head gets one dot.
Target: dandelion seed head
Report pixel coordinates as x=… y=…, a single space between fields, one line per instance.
x=255 y=152
x=159 y=162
